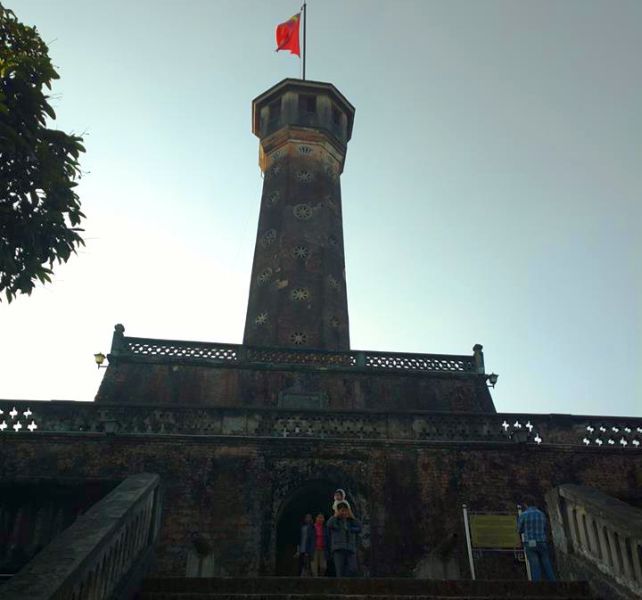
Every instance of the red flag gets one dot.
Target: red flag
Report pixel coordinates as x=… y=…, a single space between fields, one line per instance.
x=287 y=35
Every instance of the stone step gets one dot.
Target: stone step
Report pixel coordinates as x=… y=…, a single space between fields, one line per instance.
x=328 y=588
x=214 y=596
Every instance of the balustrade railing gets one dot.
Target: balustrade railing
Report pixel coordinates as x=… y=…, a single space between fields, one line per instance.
x=94 y=558
x=134 y=348
x=34 y=418
x=604 y=531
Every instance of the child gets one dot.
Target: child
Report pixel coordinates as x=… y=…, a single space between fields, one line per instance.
x=340 y=496
x=319 y=563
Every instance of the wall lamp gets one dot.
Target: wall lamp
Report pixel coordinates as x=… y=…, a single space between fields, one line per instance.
x=100 y=359
x=492 y=379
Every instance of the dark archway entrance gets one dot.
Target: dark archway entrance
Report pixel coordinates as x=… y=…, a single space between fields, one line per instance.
x=312 y=497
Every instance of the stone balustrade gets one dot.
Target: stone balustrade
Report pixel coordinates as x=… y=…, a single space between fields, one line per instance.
x=37 y=418
x=212 y=354
x=598 y=538
x=34 y=511
x=96 y=556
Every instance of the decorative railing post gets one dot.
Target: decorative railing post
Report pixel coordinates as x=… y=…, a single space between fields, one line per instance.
x=572 y=525
x=626 y=564
x=591 y=532
x=603 y=539
x=242 y=354
x=615 y=552
x=637 y=567
x=581 y=537
x=478 y=357
x=118 y=346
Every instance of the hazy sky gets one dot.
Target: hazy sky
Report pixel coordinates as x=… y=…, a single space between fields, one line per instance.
x=492 y=190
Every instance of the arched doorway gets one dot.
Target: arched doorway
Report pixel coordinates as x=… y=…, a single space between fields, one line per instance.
x=311 y=497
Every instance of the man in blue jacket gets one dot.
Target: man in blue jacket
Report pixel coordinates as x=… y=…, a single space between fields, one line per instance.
x=531 y=524
x=344 y=529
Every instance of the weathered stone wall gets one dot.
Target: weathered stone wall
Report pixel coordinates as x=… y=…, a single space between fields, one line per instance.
x=303 y=387
x=409 y=494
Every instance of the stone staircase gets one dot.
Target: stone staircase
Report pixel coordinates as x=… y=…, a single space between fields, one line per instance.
x=296 y=588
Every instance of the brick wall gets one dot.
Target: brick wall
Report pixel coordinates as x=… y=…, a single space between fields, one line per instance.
x=409 y=495
x=143 y=383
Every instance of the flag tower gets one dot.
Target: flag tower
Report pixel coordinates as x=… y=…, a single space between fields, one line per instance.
x=298 y=290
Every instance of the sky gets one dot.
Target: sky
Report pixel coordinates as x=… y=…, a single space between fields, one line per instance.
x=491 y=192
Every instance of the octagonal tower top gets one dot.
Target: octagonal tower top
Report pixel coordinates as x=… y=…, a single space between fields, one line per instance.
x=301 y=104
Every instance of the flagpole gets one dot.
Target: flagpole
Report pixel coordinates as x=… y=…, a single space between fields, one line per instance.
x=305 y=22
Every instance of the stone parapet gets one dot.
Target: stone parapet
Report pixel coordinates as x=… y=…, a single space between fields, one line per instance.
x=25 y=418
x=95 y=556
x=597 y=538
x=171 y=372
x=212 y=354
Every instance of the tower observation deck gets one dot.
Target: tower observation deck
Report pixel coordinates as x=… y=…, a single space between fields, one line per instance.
x=297 y=292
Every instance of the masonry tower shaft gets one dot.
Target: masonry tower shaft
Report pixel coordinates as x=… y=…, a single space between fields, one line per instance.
x=298 y=289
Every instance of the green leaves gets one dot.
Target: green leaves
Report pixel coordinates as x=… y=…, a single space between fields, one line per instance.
x=39 y=208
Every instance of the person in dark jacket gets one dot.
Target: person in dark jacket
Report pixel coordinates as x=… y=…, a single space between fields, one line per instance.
x=305 y=548
x=343 y=530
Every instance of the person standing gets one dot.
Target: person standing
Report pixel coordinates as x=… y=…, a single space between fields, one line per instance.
x=531 y=525
x=343 y=530
x=305 y=548
x=319 y=563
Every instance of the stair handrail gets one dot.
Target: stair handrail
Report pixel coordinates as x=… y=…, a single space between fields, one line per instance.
x=600 y=529
x=97 y=554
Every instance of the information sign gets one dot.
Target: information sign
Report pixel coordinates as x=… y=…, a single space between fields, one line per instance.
x=494 y=531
